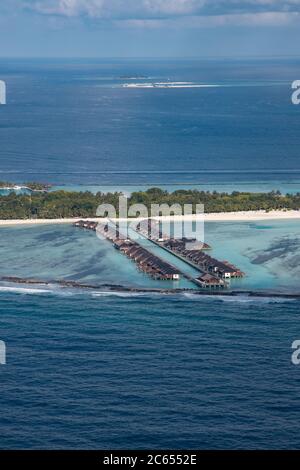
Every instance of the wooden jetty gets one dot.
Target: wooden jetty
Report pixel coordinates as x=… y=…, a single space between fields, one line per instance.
x=204 y=262
x=146 y=261
x=214 y=274
x=150 y=228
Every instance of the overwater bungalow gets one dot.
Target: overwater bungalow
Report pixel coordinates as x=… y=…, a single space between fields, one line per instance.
x=236 y=272
x=126 y=247
x=86 y=224
x=190 y=244
x=202 y=260
x=120 y=244
x=214 y=271
x=208 y=281
x=150 y=228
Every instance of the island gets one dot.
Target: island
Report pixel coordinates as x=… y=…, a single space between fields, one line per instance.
x=41 y=204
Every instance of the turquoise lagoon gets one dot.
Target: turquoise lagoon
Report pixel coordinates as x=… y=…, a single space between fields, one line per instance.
x=290 y=186
x=268 y=252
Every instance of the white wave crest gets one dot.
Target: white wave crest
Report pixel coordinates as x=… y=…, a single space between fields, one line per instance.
x=168 y=85
x=24 y=290
x=239 y=298
x=121 y=294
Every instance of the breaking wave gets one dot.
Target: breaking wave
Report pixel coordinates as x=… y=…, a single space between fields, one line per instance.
x=183 y=296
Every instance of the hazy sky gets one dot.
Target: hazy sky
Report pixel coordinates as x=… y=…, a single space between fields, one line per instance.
x=141 y=28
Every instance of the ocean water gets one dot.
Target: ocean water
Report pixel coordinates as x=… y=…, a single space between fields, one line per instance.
x=267 y=251
x=71 y=122
x=93 y=369
x=88 y=370
x=269 y=254
x=52 y=253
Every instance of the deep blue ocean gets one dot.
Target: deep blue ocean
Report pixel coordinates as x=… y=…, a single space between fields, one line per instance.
x=150 y=372
x=88 y=371
x=72 y=122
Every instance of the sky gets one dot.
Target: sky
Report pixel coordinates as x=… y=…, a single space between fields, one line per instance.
x=149 y=28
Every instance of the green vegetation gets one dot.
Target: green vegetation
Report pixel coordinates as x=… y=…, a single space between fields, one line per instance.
x=5 y=184
x=53 y=205
x=63 y=204
x=220 y=202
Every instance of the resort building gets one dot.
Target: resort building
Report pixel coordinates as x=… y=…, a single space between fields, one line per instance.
x=214 y=273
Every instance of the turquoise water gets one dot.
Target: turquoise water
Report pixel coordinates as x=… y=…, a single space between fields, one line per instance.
x=121 y=370
x=184 y=268
x=268 y=252
x=7 y=191
x=285 y=187
x=63 y=252
x=88 y=370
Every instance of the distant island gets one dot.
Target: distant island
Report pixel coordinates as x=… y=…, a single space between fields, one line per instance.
x=32 y=186
x=40 y=204
x=134 y=77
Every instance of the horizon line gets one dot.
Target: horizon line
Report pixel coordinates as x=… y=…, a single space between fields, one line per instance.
x=207 y=57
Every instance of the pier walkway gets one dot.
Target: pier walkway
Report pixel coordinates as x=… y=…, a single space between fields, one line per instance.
x=163 y=258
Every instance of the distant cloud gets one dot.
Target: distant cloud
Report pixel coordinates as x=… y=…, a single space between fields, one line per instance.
x=243 y=11
x=116 y=9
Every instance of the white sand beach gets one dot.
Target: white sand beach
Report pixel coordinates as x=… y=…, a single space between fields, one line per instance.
x=249 y=216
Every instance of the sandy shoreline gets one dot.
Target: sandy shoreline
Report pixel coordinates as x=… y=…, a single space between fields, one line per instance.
x=213 y=217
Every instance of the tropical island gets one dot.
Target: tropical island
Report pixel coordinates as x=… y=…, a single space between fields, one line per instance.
x=31 y=186
x=41 y=204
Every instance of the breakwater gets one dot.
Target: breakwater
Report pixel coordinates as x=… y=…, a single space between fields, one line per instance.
x=125 y=289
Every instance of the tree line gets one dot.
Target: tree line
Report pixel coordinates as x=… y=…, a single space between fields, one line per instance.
x=65 y=204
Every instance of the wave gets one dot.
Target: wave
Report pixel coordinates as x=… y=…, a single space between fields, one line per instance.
x=24 y=290
x=51 y=290
x=168 y=85
x=71 y=292
x=184 y=296
x=123 y=294
x=239 y=298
